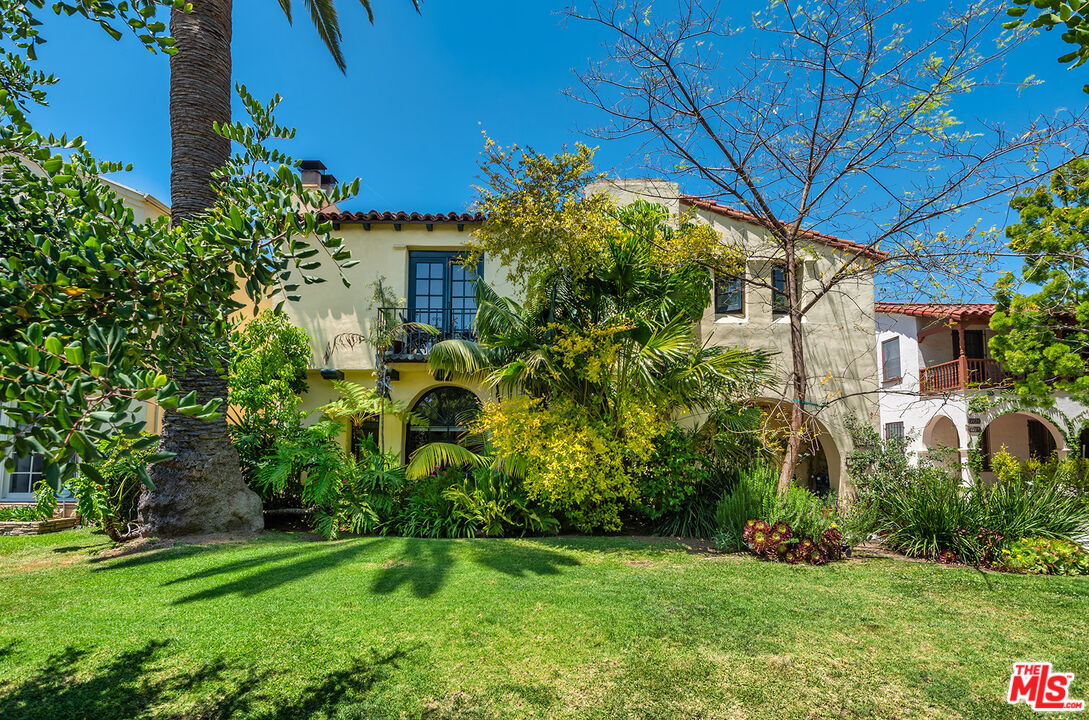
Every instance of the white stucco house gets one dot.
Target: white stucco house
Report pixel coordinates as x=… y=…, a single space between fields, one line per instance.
x=933 y=358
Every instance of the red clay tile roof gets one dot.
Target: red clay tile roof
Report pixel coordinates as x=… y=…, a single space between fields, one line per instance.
x=741 y=215
x=940 y=311
x=401 y=217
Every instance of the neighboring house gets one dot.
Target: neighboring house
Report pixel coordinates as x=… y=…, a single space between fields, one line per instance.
x=934 y=359
x=17 y=485
x=416 y=258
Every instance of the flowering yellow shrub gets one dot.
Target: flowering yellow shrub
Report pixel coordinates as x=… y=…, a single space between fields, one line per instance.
x=575 y=463
x=584 y=354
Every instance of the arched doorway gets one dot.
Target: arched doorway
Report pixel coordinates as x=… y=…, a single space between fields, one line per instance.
x=447 y=409
x=1023 y=435
x=819 y=462
x=942 y=443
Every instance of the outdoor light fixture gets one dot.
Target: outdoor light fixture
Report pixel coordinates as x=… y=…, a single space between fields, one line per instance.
x=332 y=374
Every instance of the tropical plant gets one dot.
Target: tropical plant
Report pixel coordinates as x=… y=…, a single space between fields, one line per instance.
x=605 y=350
x=330 y=480
x=752 y=496
x=266 y=379
x=496 y=505
x=109 y=500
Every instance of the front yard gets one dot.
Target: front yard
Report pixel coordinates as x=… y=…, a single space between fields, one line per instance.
x=376 y=628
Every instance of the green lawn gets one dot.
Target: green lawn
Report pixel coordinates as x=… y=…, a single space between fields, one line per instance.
x=287 y=627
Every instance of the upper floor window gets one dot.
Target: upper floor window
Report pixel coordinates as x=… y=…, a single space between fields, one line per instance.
x=729 y=295
x=779 y=300
x=890 y=360
x=442 y=292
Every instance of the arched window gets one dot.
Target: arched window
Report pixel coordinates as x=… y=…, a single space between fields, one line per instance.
x=447 y=410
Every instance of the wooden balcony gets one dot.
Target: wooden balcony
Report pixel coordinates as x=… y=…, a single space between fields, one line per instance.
x=963 y=373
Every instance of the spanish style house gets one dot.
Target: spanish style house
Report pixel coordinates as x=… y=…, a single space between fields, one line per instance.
x=416 y=258
x=934 y=360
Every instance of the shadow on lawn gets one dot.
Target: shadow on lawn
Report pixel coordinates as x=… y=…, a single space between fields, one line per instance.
x=425 y=564
x=136 y=683
x=295 y=565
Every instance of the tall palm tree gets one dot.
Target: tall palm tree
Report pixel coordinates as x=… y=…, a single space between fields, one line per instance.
x=201 y=490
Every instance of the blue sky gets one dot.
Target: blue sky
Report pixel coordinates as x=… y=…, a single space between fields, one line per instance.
x=407 y=117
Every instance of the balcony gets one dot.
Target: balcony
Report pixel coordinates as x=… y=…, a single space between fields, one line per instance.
x=963 y=373
x=409 y=341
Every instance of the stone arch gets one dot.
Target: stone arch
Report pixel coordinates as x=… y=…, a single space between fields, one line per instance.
x=822 y=453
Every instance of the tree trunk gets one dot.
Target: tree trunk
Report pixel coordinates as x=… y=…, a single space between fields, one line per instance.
x=201 y=489
x=797 y=374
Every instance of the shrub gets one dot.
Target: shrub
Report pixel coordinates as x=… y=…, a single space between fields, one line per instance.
x=672 y=474
x=266 y=378
x=331 y=482
x=1046 y=556
x=45 y=505
x=575 y=463
x=494 y=504
x=426 y=511
x=752 y=496
x=110 y=501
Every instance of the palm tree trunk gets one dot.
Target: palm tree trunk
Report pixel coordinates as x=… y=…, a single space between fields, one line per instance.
x=201 y=489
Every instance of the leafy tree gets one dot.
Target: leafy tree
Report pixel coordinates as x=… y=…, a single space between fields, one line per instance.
x=1042 y=322
x=267 y=376
x=603 y=346
x=103 y=312
x=1069 y=13
x=829 y=118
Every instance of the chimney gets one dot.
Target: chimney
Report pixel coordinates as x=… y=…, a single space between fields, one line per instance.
x=327 y=182
x=312 y=172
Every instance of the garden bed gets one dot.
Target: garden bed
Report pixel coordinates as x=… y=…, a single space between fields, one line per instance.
x=37 y=527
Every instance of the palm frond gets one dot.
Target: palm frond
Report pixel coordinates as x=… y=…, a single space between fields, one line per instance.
x=458 y=357
x=433 y=456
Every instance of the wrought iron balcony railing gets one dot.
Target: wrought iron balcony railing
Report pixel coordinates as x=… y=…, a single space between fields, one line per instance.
x=410 y=334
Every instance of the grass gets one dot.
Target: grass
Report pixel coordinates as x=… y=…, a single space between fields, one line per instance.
x=285 y=627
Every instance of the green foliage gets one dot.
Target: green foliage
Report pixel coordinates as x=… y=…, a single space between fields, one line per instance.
x=603 y=345
x=752 y=496
x=1043 y=311
x=926 y=510
x=672 y=474
x=1046 y=556
x=808 y=515
x=267 y=376
x=110 y=499
x=1071 y=14
x=45 y=505
x=493 y=504
x=103 y=310
x=329 y=478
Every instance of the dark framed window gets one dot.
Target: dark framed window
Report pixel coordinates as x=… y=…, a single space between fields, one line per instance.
x=890 y=360
x=780 y=303
x=729 y=295
x=25 y=475
x=894 y=431
x=363 y=433
x=448 y=410
x=1040 y=441
x=442 y=292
